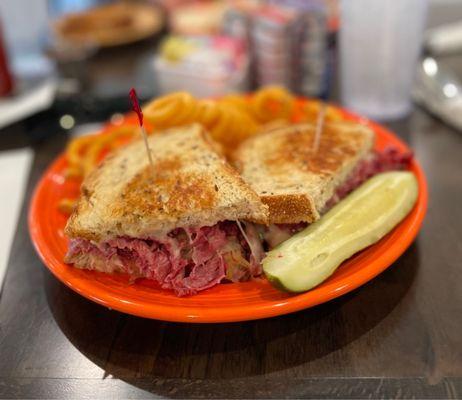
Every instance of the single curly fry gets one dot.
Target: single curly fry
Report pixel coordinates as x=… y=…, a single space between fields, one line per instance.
x=73 y=173
x=66 y=206
x=76 y=147
x=169 y=110
x=208 y=112
x=272 y=102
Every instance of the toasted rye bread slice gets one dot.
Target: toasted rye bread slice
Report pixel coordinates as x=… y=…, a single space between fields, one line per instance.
x=191 y=185
x=290 y=178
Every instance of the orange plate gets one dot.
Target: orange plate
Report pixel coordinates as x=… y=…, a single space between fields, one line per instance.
x=222 y=303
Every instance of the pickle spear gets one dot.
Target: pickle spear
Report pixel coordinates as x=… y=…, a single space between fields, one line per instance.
x=361 y=219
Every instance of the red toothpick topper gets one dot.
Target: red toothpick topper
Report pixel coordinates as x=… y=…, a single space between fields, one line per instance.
x=136 y=107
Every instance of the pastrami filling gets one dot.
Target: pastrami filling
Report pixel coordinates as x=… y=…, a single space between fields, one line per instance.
x=186 y=260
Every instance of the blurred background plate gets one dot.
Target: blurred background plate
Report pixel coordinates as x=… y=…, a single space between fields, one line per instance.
x=110 y=25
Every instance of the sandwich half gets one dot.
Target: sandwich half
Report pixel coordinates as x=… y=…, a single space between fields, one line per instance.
x=177 y=223
x=299 y=184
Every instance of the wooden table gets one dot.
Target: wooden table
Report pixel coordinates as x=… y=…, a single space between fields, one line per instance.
x=400 y=335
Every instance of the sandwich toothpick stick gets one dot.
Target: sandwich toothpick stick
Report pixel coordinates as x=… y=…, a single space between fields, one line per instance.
x=136 y=107
x=319 y=126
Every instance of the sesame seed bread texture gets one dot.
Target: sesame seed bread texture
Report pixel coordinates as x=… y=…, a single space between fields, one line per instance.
x=190 y=185
x=292 y=179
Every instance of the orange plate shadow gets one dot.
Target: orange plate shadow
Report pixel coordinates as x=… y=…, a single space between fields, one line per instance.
x=223 y=303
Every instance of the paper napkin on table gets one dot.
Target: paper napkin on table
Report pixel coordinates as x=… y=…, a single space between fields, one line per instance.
x=29 y=102
x=14 y=172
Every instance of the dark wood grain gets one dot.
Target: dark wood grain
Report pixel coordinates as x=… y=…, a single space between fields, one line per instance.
x=320 y=388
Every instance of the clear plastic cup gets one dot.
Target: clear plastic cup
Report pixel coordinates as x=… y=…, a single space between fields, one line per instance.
x=380 y=42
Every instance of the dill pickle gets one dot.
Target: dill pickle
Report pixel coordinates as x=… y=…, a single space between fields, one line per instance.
x=358 y=221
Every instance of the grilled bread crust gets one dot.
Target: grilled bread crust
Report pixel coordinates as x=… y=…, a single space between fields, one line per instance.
x=294 y=180
x=190 y=185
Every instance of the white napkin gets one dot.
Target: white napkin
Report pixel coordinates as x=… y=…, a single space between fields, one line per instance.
x=37 y=99
x=14 y=171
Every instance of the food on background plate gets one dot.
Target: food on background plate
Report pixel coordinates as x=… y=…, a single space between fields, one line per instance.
x=205 y=66
x=300 y=184
x=179 y=225
x=110 y=25
x=358 y=221
x=197 y=18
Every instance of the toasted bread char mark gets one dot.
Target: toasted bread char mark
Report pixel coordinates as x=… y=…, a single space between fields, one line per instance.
x=296 y=149
x=166 y=192
x=290 y=178
x=192 y=185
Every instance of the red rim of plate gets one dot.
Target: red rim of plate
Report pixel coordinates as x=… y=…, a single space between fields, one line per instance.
x=83 y=283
